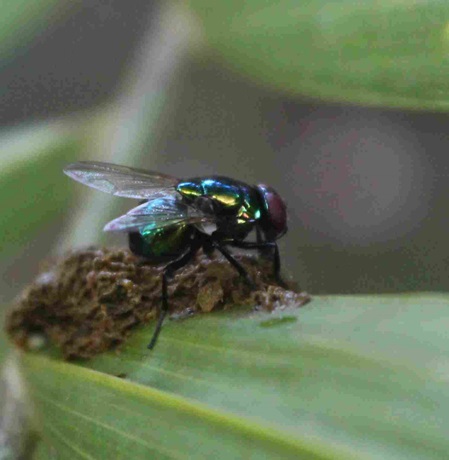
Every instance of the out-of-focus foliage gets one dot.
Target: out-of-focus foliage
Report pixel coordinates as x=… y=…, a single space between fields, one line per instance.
x=33 y=189
x=374 y=52
x=344 y=377
x=2 y=342
x=22 y=20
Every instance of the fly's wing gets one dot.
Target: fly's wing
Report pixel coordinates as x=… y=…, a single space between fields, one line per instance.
x=158 y=213
x=122 y=180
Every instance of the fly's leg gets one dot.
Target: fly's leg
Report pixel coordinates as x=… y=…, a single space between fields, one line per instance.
x=264 y=251
x=272 y=245
x=259 y=238
x=277 y=264
x=168 y=273
x=237 y=265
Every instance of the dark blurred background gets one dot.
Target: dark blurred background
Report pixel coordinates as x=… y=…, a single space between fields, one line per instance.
x=366 y=188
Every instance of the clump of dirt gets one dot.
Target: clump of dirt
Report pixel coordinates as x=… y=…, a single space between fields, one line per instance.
x=90 y=300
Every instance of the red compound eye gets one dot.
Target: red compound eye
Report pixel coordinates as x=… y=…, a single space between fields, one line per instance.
x=274 y=220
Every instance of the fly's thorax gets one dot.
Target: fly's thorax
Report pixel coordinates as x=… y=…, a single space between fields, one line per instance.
x=224 y=193
x=190 y=189
x=233 y=205
x=223 y=197
x=162 y=244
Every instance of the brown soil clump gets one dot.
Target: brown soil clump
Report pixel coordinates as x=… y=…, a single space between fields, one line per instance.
x=90 y=300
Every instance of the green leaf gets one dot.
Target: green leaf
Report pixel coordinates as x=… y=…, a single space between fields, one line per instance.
x=116 y=418
x=344 y=377
x=33 y=189
x=372 y=52
x=22 y=20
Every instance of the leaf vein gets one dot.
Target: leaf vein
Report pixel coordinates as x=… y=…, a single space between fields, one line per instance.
x=61 y=437
x=138 y=440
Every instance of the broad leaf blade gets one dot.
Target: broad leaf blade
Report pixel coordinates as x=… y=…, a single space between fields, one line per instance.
x=361 y=377
x=118 y=419
x=373 y=52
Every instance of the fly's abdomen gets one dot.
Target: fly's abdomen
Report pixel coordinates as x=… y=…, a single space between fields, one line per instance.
x=161 y=244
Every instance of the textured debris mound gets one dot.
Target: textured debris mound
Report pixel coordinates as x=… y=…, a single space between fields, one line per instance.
x=90 y=300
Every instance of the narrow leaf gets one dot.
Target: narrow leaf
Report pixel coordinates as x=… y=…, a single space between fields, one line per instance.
x=372 y=52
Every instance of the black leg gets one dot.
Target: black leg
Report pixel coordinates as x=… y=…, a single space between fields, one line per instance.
x=264 y=251
x=264 y=245
x=277 y=265
x=259 y=238
x=168 y=273
x=235 y=264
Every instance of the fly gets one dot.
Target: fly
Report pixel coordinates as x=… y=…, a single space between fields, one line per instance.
x=180 y=216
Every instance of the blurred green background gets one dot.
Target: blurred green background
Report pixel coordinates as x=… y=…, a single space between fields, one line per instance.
x=340 y=106
x=366 y=187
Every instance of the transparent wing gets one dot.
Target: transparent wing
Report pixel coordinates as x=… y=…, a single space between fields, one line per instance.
x=122 y=180
x=158 y=213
